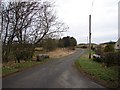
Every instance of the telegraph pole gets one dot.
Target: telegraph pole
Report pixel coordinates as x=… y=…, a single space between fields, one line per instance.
x=89 y=36
x=90 y=30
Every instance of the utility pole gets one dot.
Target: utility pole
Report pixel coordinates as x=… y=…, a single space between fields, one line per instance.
x=118 y=19
x=89 y=36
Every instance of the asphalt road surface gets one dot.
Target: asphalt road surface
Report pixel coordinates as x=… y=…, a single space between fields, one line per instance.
x=59 y=73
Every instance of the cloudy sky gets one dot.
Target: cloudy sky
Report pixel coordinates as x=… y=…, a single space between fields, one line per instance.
x=75 y=13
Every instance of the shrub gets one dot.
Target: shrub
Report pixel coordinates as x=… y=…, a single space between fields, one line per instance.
x=111 y=58
x=23 y=55
x=49 y=44
x=97 y=59
x=23 y=52
x=72 y=48
x=99 y=50
x=109 y=48
x=84 y=47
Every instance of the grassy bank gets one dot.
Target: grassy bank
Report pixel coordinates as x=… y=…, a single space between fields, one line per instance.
x=97 y=71
x=16 y=67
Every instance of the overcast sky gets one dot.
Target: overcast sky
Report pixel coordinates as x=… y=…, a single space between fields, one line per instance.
x=75 y=13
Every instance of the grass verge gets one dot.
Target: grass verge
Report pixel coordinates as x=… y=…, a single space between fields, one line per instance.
x=16 y=67
x=105 y=76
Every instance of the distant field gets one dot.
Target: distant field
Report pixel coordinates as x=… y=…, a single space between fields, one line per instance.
x=60 y=53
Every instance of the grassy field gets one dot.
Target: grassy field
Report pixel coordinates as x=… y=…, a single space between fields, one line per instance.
x=97 y=71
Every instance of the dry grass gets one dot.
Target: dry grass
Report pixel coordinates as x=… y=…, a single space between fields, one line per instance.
x=60 y=53
x=11 y=63
x=11 y=67
x=53 y=54
x=86 y=55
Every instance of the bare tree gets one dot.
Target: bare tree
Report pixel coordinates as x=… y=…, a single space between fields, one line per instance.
x=29 y=22
x=15 y=19
x=46 y=24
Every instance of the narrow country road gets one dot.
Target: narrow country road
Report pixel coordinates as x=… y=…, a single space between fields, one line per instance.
x=59 y=73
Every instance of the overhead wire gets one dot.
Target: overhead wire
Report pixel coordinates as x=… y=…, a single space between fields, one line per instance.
x=92 y=7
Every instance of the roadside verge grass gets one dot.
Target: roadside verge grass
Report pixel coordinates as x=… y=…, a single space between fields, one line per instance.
x=16 y=67
x=105 y=76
